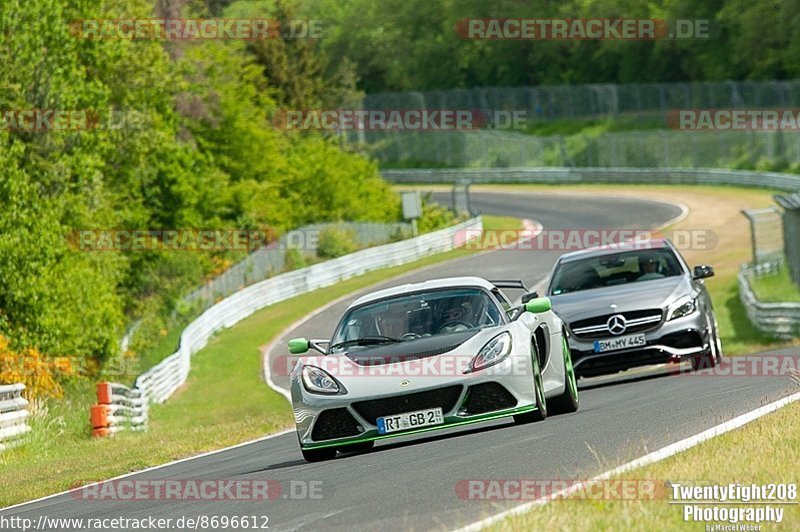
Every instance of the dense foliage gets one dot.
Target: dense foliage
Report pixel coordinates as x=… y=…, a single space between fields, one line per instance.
x=204 y=156
x=203 y=153
x=401 y=45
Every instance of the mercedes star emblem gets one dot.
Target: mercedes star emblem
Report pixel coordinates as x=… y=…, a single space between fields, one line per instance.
x=616 y=324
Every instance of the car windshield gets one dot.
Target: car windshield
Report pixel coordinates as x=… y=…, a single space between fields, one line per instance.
x=614 y=269
x=412 y=316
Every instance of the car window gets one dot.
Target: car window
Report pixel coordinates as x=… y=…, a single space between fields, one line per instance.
x=409 y=317
x=614 y=269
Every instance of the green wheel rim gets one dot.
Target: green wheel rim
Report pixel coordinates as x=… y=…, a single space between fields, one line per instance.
x=571 y=381
x=537 y=380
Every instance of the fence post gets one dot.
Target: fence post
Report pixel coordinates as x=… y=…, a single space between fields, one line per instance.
x=791 y=232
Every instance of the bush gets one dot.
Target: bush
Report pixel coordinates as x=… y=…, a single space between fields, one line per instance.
x=434 y=216
x=294 y=260
x=335 y=242
x=42 y=376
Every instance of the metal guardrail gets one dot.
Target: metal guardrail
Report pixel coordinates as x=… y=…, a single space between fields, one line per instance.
x=118 y=408
x=781 y=320
x=161 y=381
x=271 y=259
x=563 y=175
x=13 y=415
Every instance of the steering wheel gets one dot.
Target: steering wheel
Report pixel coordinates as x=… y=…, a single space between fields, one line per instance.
x=453 y=324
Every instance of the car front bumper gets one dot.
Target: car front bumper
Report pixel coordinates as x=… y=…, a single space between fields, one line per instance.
x=360 y=421
x=671 y=341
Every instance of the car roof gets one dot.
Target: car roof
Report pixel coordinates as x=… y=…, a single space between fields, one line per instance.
x=610 y=249
x=432 y=284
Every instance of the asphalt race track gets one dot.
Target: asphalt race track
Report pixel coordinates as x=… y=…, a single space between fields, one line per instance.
x=411 y=484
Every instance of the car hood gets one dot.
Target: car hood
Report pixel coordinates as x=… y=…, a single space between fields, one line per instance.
x=411 y=350
x=658 y=293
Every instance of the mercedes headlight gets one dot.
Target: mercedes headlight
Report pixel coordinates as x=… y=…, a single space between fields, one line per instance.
x=317 y=380
x=495 y=351
x=683 y=308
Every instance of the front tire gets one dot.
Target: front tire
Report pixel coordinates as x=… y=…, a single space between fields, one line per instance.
x=714 y=355
x=319 y=455
x=568 y=401
x=540 y=414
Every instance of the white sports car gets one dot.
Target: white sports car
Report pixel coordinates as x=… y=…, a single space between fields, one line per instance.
x=426 y=356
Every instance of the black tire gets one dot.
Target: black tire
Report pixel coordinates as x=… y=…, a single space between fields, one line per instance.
x=714 y=355
x=357 y=447
x=703 y=362
x=540 y=414
x=568 y=401
x=319 y=455
x=718 y=343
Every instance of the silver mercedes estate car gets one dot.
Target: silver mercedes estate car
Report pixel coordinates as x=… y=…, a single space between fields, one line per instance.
x=634 y=304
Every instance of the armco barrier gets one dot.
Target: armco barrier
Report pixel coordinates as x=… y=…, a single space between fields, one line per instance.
x=775 y=319
x=13 y=415
x=118 y=408
x=560 y=175
x=161 y=381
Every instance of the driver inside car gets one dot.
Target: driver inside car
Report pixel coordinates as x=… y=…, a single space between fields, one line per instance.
x=649 y=267
x=459 y=315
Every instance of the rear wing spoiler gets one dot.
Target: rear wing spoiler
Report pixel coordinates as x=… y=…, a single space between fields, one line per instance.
x=509 y=283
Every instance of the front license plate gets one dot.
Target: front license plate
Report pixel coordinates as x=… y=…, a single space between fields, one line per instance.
x=623 y=342
x=410 y=420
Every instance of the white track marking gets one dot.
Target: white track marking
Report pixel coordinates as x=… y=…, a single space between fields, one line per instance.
x=651 y=458
x=153 y=468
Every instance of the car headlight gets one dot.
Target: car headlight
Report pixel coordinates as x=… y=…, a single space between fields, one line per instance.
x=317 y=380
x=492 y=353
x=683 y=308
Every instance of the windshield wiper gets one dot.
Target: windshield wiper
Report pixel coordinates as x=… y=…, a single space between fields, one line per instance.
x=367 y=340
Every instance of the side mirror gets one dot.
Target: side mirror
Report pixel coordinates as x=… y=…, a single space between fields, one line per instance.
x=702 y=272
x=538 y=305
x=529 y=296
x=298 y=346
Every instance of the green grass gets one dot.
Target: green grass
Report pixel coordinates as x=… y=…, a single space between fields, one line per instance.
x=165 y=346
x=596 y=126
x=776 y=287
x=738 y=334
x=762 y=452
x=224 y=402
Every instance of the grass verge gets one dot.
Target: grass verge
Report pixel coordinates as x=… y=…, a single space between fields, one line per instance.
x=777 y=287
x=224 y=402
x=765 y=453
